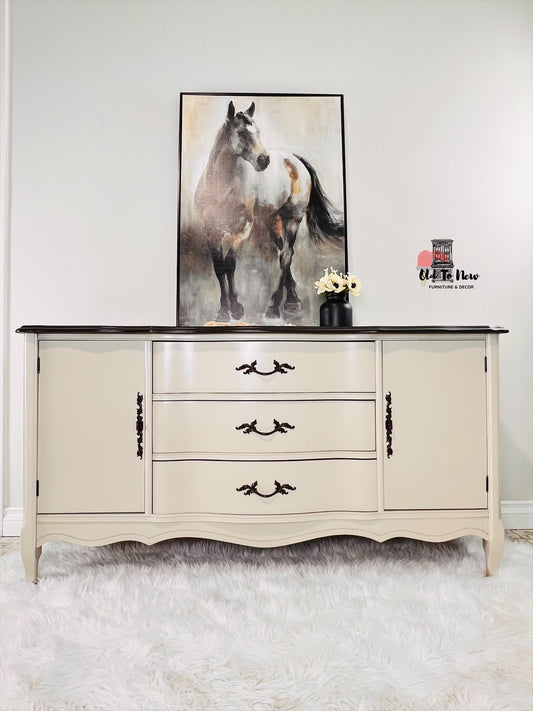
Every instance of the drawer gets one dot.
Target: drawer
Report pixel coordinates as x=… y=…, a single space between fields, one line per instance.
x=264 y=366
x=242 y=427
x=211 y=487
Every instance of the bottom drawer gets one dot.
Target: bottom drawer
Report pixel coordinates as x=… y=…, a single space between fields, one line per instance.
x=211 y=487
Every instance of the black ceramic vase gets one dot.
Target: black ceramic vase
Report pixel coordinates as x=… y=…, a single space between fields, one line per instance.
x=336 y=311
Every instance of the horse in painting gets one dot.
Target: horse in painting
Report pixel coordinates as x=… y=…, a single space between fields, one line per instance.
x=243 y=184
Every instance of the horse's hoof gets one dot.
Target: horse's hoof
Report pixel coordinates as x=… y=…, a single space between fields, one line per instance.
x=237 y=311
x=292 y=306
x=222 y=316
x=272 y=312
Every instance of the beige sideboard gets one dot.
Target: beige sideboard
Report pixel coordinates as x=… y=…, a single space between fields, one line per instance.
x=262 y=437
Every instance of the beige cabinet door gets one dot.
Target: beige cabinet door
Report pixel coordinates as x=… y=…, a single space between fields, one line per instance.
x=90 y=457
x=435 y=424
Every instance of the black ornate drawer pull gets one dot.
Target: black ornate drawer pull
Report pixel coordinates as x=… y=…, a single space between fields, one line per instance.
x=388 y=423
x=252 y=489
x=140 y=425
x=278 y=368
x=247 y=428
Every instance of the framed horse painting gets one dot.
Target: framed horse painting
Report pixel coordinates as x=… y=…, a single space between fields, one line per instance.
x=262 y=206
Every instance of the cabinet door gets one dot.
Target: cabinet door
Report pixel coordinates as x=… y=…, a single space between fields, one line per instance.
x=89 y=455
x=437 y=411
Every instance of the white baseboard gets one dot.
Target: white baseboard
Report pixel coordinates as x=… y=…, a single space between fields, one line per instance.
x=515 y=514
x=12 y=521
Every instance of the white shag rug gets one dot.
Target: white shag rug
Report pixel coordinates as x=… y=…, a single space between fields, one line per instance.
x=338 y=624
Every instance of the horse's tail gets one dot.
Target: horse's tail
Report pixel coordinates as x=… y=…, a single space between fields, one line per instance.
x=324 y=221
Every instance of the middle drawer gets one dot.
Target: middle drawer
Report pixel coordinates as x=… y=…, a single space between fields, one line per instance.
x=263 y=426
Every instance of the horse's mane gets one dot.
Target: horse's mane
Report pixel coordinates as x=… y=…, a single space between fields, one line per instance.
x=219 y=143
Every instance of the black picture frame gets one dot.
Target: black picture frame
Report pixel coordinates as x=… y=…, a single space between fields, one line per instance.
x=261 y=206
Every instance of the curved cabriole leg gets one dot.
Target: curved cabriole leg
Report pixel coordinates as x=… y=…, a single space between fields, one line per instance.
x=493 y=548
x=30 y=556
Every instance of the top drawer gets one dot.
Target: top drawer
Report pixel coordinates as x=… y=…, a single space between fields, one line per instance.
x=264 y=366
